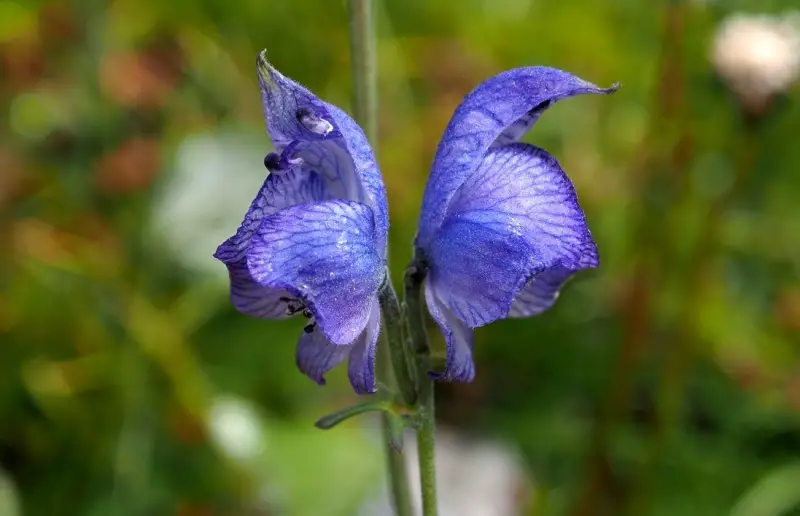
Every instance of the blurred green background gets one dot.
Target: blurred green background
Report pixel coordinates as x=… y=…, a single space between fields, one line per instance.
x=666 y=382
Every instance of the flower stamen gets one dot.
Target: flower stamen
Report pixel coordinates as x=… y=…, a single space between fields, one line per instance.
x=313 y=122
x=286 y=160
x=293 y=306
x=272 y=161
x=297 y=306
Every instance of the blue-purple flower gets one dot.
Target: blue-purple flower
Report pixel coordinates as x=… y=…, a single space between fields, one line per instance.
x=314 y=239
x=501 y=229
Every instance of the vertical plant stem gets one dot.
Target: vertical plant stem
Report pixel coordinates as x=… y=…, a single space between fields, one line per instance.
x=365 y=105
x=393 y=328
x=398 y=478
x=365 y=68
x=426 y=432
x=395 y=460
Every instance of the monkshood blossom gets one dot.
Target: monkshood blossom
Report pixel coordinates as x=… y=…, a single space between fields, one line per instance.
x=314 y=239
x=501 y=229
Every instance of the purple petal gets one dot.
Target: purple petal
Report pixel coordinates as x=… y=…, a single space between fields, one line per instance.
x=327 y=140
x=325 y=254
x=516 y=217
x=367 y=169
x=457 y=336
x=316 y=355
x=361 y=367
x=477 y=270
x=253 y=299
x=277 y=192
x=291 y=111
x=500 y=110
x=542 y=290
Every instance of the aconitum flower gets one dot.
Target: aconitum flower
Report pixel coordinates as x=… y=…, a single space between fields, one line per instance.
x=501 y=229
x=314 y=239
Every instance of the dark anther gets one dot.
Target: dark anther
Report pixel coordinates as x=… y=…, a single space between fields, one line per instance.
x=293 y=306
x=273 y=162
x=541 y=107
x=304 y=112
x=313 y=121
x=309 y=327
x=307 y=313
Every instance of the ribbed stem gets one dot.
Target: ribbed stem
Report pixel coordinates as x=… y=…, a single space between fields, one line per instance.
x=393 y=328
x=426 y=431
x=398 y=478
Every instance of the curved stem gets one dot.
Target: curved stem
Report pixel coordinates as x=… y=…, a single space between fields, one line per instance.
x=426 y=432
x=331 y=420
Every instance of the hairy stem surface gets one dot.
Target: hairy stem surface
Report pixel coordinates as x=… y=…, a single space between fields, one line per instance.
x=426 y=431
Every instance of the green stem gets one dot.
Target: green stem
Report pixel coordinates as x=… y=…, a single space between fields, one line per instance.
x=393 y=326
x=365 y=105
x=426 y=431
x=398 y=477
x=365 y=69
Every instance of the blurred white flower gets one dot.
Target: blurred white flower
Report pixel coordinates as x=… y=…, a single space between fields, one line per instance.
x=757 y=56
x=235 y=428
x=475 y=477
x=215 y=178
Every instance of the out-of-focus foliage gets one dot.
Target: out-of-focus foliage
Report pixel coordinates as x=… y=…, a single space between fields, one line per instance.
x=131 y=137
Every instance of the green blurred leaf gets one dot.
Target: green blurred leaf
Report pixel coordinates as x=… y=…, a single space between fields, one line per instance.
x=774 y=494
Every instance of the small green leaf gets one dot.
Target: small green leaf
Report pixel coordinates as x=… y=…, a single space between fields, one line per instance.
x=331 y=420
